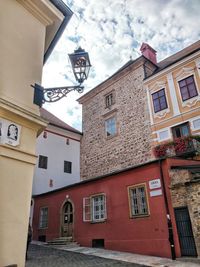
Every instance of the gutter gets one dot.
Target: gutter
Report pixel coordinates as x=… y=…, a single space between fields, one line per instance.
x=169 y=222
x=66 y=11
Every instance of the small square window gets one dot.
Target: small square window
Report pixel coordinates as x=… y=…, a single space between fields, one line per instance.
x=138 y=201
x=159 y=100
x=111 y=128
x=67 y=141
x=43 y=160
x=43 y=222
x=45 y=134
x=109 y=100
x=67 y=166
x=188 y=88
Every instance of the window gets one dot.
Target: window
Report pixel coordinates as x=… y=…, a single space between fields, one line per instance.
x=67 y=166
x=94 y=208
x=188 y=88
x=110 y=125
x=138 y=201
x=43 y=162
x=43 y=223
x=181 y=130
x=45 y=134
x=67 y=141
x=109 y=99
x=159 y=100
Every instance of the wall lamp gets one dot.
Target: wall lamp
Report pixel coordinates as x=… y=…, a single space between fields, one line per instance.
x=81 y=66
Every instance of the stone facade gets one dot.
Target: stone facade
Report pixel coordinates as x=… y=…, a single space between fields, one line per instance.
x=185 y=192
x=131 y=145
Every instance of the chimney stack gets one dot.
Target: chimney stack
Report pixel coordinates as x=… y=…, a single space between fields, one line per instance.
x=148 y=52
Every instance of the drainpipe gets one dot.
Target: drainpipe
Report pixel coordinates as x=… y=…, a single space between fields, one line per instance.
x=169 y=222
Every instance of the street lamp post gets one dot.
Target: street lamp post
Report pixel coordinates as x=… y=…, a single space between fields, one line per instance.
x=81 y=66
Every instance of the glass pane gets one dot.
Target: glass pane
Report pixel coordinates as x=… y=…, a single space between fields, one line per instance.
x=154 y=96
x=161 y=92
x=182 y=83
x=184 y=93
x=185 y=130
x=190 y=80
x=192 y=90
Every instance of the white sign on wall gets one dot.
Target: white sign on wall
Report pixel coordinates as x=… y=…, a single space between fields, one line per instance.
x=9 y=132
x=155 y=193
x=153 y=184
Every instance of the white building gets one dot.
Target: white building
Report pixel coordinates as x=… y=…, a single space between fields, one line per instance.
x=58 y=150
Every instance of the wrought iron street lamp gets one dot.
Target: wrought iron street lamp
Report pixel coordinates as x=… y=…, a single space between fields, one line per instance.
x=81 y=66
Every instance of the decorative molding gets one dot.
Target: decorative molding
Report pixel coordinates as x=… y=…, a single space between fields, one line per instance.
x=197 y=61
x=161 y=114
x=191 y=102
x=38 y=9
x=185 y=71
x=157 y=86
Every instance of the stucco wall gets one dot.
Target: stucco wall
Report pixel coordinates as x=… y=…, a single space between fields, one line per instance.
x=146 y=235
x=56 y=141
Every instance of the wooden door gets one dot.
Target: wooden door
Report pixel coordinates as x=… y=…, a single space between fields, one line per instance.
x=67 y=220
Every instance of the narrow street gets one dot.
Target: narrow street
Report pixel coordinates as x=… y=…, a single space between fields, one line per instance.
x=40 y=256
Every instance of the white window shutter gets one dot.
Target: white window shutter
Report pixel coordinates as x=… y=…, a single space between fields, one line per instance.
x=86 y=209
x=105 y=215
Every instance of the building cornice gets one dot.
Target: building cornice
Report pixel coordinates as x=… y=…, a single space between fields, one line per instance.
x=43 y=10
x=165 y=71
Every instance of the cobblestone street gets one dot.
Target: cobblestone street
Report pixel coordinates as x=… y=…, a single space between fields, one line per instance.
x=40 y=256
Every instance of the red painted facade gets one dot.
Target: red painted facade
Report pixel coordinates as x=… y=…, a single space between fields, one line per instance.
x=146 y=235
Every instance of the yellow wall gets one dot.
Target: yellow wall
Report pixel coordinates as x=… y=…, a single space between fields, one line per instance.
x=22 y=33
x=20 y=67
x=187 y=110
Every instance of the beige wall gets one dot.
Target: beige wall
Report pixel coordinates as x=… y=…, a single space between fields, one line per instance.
x=23 y=33
x=20 y=67
x=178 y=111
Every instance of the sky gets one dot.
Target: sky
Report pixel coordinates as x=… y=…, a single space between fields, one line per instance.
x=112 y=32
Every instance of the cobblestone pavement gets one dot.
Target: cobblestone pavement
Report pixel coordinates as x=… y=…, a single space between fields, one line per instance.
x=40 y=256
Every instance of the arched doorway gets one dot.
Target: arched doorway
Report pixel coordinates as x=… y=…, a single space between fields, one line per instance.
x=67 y=218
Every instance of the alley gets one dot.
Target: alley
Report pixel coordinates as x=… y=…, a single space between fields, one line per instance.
x=40 y=256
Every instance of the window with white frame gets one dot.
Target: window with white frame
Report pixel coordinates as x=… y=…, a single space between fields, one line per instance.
x=111 y=128
x=188 y=88
x=159 y=100
x=138 y=201
x=43 y=222
x=94 y=208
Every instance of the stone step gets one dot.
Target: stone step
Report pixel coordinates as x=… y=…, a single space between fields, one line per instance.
x=60 y=241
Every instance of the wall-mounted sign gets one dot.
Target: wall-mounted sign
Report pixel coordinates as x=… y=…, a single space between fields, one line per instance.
x=155 y=193
x=153 y=184
x=9 y=132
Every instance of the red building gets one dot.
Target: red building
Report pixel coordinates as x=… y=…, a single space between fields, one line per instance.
x=130 y=210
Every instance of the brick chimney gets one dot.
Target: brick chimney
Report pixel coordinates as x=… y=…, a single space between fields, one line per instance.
x=148 y=52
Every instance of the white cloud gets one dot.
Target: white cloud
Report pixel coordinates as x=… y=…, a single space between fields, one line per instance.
x=112 y=31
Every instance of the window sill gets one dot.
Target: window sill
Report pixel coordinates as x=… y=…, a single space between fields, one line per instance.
x=140 y=216
x=102 y=221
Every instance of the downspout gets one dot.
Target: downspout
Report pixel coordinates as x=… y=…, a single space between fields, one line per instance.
x=169 y=222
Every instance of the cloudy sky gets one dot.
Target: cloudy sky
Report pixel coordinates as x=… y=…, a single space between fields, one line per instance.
x=112 y=31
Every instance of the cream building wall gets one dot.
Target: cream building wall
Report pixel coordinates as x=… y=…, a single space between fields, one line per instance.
x=177 y=111
x=23 y=33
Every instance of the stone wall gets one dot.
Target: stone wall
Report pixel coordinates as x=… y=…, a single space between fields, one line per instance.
x=185 y=192
x=101 y=155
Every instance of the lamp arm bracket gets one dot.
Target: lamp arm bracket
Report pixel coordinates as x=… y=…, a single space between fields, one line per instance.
x=56 y=93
